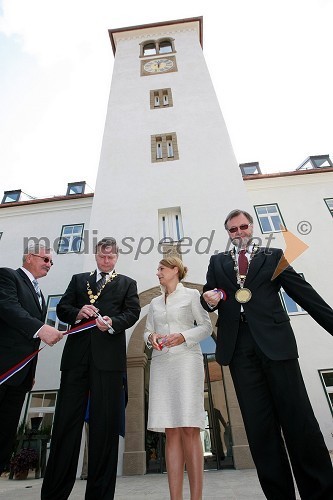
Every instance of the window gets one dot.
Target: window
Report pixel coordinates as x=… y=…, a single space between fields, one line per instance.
x=51 y=315
x=161 y=98
x=170 y=224
x=326 y=377
x=149 y=49
x=75 y=188
x=42 y=404
x=70 y=239
x=313 y=162
x=269 y=218
x=158 y=46
x=164 y=147
x=329 y=203
x=292 y=308
x=169 y=147
x=289 y=304
x=11 y=196
x=159 y=155
x=250 y=168
x=165 y=47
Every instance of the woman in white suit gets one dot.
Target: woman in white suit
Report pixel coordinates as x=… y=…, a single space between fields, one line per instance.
x=176 y=323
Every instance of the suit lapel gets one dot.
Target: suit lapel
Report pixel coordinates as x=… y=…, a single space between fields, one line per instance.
x=44 y=308
x=109 y=285
x=92 y=281
x=228 y=267
x=256 y=263
x=31 y=288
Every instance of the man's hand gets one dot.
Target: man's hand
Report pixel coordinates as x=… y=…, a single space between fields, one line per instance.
x=213 y=297
x=49 y=335
x=102 y=326
x=86 y=312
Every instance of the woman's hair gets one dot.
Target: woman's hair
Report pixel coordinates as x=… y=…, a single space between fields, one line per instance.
x=172 y=262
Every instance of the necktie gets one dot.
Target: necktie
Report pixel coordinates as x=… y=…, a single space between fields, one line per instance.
x=243 y=263
x=37 y=290
x=101 y=282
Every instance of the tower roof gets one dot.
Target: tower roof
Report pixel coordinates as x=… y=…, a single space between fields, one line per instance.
x=153 y=28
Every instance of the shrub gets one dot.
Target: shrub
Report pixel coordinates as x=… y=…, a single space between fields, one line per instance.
x=25 y=459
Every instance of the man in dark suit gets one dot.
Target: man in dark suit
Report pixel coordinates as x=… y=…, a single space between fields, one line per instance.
x=93 y=365
x=256 y=340
x=22 y=315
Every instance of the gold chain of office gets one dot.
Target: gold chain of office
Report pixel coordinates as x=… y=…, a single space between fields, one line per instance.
x=93 y=297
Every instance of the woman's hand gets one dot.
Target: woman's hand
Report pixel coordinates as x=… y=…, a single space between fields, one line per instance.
x=173 y=340
x=153 y=339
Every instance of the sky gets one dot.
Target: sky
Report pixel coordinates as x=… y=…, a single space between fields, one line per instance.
x=270 y=62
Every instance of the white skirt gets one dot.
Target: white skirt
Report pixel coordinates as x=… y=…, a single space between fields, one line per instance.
x=176 y=391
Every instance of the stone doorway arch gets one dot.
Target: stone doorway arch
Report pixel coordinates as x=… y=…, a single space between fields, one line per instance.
x=134 y=458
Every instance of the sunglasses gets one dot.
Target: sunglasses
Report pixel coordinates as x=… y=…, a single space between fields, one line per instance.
x=45 y=259
x=242 y=227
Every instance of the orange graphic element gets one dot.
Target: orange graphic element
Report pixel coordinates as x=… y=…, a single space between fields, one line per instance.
x=294 y=248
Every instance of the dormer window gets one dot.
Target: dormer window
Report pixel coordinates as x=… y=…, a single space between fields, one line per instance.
x=75 y=188
x=313 y=162
x=250 y=168
x=11 y=196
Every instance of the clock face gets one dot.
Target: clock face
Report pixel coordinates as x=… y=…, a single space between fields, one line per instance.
x=158 y=65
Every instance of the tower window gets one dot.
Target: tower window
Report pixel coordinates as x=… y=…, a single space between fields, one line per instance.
x=165 y=47
x=165 y=97
x=149 y=49
x=158 y=46
x=156 y=100
x=169 y=147
x=159 y=152
x=170 y=224
x=164 y=147
x=161 y=98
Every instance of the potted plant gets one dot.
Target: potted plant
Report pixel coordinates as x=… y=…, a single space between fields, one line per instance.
x=24 y=460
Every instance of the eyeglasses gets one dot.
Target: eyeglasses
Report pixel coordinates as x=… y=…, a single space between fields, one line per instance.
x=45 y=259
x=242 y=227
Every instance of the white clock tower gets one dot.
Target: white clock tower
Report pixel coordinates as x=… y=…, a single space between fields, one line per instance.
x=167 y=175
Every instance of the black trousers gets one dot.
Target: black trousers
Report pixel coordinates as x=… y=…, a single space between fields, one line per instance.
x=277 y=416
x=11 y=402
x=105 y=390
